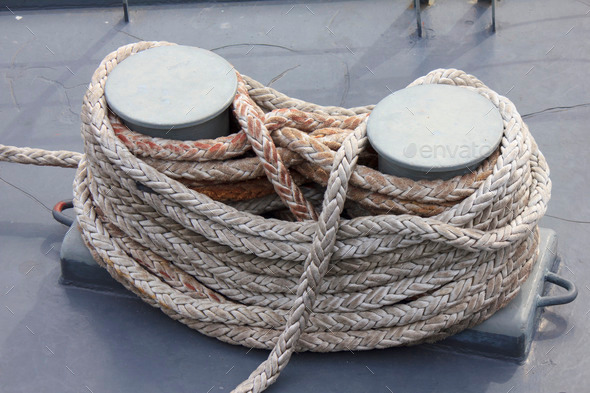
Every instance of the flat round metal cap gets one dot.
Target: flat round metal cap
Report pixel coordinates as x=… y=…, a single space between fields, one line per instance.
x=171 y=87
x=434 y=130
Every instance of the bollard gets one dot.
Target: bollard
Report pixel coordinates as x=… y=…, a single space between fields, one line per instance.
x=174 y=92
x=434 y=131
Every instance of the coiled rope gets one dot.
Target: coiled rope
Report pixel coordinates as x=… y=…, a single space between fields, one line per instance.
x=373 y=261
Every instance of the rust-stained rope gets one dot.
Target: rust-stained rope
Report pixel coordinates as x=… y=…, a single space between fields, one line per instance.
x=372 y=261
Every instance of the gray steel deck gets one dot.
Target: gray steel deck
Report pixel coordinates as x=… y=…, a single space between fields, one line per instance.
x=59 y=339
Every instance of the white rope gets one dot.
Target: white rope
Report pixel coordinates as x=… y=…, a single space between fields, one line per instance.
x=454 y=253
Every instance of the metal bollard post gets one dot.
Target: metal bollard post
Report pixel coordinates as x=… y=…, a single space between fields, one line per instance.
x=174 y=92
x=434 y=131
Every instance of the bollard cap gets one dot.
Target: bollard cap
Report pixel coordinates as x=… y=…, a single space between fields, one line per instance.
x=434 y=131
x=172 y=92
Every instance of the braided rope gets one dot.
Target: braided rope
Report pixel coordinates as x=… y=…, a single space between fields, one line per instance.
x=166 y=219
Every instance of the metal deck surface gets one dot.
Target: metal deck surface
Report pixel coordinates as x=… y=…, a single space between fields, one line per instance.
x=59 y=339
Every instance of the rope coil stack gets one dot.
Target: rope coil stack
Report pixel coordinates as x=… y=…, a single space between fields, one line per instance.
x=373 y=261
